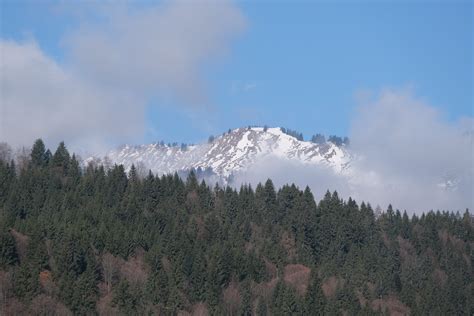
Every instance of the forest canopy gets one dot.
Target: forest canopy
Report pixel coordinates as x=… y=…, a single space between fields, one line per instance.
x=90 y=240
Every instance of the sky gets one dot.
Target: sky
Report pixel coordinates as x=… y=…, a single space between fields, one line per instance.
x=180 y=70
x=396 y=77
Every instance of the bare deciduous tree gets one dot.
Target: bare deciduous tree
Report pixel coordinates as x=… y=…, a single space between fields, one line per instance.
x=107 y=163
x=23 y=156
x=46 y=305
x=110 y=270
x=142 y=170
x=232 y=299
x=5 y=152
x=5 y=290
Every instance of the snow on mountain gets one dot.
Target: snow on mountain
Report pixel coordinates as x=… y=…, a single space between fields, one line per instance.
x=232 y=152
x=251 y=155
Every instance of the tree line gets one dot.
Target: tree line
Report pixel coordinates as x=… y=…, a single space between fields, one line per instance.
x=91 y=240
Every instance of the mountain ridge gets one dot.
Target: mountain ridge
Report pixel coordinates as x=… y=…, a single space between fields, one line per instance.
x=231 y=153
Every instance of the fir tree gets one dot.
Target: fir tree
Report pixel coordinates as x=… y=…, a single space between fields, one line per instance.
x=38 y=154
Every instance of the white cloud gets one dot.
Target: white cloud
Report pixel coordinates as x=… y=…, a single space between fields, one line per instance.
x=39 y=98
x=319 y=178
x=112 y=69
x=404 y=151
x=409 y=150
x=156 y=50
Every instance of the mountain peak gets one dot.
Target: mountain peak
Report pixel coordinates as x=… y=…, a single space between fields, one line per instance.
x=232 y=152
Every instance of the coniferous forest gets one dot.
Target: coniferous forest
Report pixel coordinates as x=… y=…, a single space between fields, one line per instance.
x=90 y=240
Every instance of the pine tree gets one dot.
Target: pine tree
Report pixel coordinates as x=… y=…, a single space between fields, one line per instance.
x=246 y=309
x=37 y=254
x=38 y=154
x=314 y=299
x=318 y=139
x=158 y=284
x=85 y=291
x=7 y=179
x=60 y=160
x=25 y=281
x=8 y=254
x=196 y=240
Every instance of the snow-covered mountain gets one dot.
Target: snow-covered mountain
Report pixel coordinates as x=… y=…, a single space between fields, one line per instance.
x=251 y=155
x=233 y=152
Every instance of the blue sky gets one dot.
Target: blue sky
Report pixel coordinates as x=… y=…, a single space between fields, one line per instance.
x=297 y=64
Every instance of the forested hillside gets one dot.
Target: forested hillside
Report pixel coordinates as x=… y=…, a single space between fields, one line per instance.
x=94 y=241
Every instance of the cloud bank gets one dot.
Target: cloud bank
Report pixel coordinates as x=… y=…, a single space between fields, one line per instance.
x=40 y=98
x=157 y=50
x=405 y=154
x=417 y=159
x=115 y=64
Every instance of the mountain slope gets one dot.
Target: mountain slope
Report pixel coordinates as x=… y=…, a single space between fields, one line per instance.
x=232 y=152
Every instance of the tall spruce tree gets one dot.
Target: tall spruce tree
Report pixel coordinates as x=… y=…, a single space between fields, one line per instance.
x=38 y=154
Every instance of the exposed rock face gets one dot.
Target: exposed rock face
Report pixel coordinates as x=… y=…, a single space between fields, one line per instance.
x=231 y=153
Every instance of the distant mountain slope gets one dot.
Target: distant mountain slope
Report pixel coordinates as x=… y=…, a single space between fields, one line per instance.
x=232 y=152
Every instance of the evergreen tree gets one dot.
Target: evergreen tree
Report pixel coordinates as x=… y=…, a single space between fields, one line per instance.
x=314 y=300
x=182 y=245
x=38 y=154
x=60 y=159
x=25 y=281
x=318 y=139
x=157 y=285
x=8 y=253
